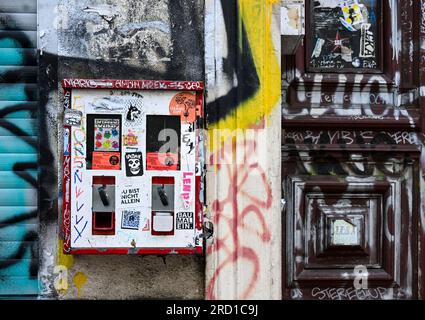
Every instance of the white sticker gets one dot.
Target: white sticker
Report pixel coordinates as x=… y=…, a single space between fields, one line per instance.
x=344 y=233
x=367 y=42
x=73 y=117
x=292 y=19
x=130 y=197
x=163 y=222
x=318 y=48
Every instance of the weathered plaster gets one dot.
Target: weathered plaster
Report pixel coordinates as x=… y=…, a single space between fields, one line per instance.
x=120 y=39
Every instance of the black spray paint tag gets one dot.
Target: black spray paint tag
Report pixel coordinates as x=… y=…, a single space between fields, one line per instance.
x=134 y=164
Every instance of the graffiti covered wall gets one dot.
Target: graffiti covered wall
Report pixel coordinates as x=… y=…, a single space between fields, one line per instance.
x=97 y=39
x=243 y=181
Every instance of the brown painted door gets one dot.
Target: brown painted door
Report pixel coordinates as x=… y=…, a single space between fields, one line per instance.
x=351 y=153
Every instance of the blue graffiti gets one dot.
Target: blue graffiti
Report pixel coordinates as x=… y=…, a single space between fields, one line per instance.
x=372 y=11
x=19 y=163
x=80 y=232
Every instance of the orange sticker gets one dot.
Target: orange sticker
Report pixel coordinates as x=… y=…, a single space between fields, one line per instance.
x=183 y=104
x=106 y=161
x=162 y=161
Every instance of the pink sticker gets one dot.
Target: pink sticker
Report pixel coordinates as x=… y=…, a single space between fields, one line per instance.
x=187 y=188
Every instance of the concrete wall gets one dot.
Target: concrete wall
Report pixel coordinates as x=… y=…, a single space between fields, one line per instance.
x=124 y=39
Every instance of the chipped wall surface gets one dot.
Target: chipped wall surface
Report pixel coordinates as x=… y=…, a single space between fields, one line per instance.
x=135 y=277
x=119 y=39
x=144 y=39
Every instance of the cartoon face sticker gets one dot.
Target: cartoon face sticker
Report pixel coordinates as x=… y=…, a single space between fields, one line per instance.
x=131 y=139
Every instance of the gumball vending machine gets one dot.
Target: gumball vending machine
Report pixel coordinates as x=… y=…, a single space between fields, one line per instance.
x=133 y=167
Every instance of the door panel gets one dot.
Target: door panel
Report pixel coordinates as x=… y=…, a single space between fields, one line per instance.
x=344 y=210
x=350 y=154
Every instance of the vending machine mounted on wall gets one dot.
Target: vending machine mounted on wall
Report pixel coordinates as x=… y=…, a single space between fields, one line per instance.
x=133 y=167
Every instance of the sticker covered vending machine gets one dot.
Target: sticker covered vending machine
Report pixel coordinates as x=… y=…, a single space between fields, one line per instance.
x=133 y=167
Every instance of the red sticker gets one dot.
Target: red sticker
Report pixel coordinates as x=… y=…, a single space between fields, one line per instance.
x=162 y=161
x=106 y=161
x=183 y=104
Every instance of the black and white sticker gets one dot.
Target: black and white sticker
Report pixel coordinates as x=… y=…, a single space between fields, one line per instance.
x=188 y=142
x=130 y=197
x=184 y=220
x=134 y=164
x=133 y=113
x=367 y=42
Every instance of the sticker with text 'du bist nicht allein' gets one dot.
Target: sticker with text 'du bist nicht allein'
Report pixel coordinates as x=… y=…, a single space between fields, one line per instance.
x=130 y=197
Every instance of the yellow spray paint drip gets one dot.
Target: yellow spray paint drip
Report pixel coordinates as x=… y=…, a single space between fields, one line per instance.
x=66 y=260
x=80 y=279
x=257 y=19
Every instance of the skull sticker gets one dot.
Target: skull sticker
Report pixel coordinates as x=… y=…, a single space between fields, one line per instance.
x=134 y=164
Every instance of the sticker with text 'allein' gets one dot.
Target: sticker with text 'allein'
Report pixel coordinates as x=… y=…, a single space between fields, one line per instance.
x=130 y=197
x=184 y=220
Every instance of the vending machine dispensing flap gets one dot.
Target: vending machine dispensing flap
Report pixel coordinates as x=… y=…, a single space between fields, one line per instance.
x=162 y=206
x=103 y=205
